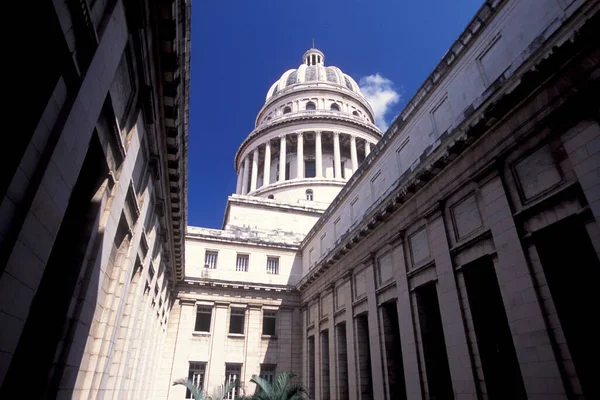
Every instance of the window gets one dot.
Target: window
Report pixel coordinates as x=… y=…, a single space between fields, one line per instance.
x=309 y=194
x=335 y=107
x=355 y=113
x=203 y=315
x=287 y=171
x=196 y=376
x=310 y=256
x=269 y=319
x=267 y=372
x=241 y=264
x=273 y=266
x=210 y=259
x=310 y=169
x=271 y=197
x=323 y=243
x=236 y=321
x=311 y=106
x=287 y=110
x=232 y=375
x=343 y=164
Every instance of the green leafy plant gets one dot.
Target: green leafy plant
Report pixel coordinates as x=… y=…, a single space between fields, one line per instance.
x=281 y=389
x=220 y=392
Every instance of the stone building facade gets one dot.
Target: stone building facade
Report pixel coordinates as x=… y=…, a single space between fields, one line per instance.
x=93 y=199
x=456 y=261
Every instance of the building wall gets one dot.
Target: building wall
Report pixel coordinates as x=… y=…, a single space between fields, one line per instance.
x=472 y=258
x=225 y=270
x=88 y=261
x=498 y=49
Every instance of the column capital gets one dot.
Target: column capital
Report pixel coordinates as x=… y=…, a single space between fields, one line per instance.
x=336 y=133
x=299 y=133
x=282 y=136
x=318 y=133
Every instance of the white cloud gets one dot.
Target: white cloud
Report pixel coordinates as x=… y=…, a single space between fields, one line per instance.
x=380 y=94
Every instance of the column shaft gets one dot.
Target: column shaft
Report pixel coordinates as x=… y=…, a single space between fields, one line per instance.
x=337 y=163
x=282 y=159
x=300 y=157
x=246 y=174
x=353 y=154
x=318 y=155
x=367 y=148
x=267 y=166
x=254 y=170
x=240 y=175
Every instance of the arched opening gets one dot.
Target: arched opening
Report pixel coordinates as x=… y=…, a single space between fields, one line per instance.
x=309 y=194
x=335 y=107
x=355 y=113
x=311 y=106
x=271 y=197
x=287 y=110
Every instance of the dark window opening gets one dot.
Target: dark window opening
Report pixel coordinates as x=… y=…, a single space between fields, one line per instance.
x=309 y=195
x=287 y=110
x=269 y=322
x=310 y=169
x=342 y=361
x=355 y=113
x=271 y=197
x=203 y=316
x=236 y=322
x=498 y=357
x=196 y=376
x=311 y=106
x=287 y=171
x=393 y=351
x=571 y=268
x=311 y=367
x=325 y=395
x=439 y=383
x=365 y=380
x=335 y=107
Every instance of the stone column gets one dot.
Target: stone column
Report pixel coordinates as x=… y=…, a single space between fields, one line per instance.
x=353 y=154
x=282 y=159
x=367 y=148
x=254 y=170
x=353 y=379
x=336 y=155
x=374 y=334
x=300 y=156
x=240 y=176
x=246 y=174
x=267 y=166
x=457 y=348
x=318 y=155
x=518 y=288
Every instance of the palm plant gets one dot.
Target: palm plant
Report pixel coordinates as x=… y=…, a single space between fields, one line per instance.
x=220 y=392
x=281 y=389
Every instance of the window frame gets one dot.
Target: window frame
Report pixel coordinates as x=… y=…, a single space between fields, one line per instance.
x=201 y=368
x=310 y=104
x=274 y=271
x=216 y=259
x=203 y=309
x=236 y=312
x=244 y=267
x=271 y=315
x=310 y=195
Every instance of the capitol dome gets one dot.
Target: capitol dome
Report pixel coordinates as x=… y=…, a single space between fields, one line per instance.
x=310 y=136
x=313 y=69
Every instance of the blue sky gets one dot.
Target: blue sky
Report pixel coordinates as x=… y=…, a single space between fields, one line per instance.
x=239 y=48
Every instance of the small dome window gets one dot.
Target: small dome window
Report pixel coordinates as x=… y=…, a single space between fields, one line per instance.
x=348 y=84
x=271 y=197
x=311 y=106
x=355 y=113
x=309 y=194
x=287 y=110
x=335 y=107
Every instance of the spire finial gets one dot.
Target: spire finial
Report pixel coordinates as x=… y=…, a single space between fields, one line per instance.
x=313 y=43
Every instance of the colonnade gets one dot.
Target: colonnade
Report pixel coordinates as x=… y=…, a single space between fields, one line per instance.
x=248 y=172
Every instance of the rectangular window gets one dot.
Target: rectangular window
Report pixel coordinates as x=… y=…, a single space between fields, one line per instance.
x=335 y=227
x=196 y=376
x=269 y=320
x=311 y=257
x=236 y=322
x=267 y=372
x=232 y=376
x=203 y=315
x=273 y=266
x=241 y=264
x=210 y=259
x=310 y=169
x=323 y=243
x=353 y=207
